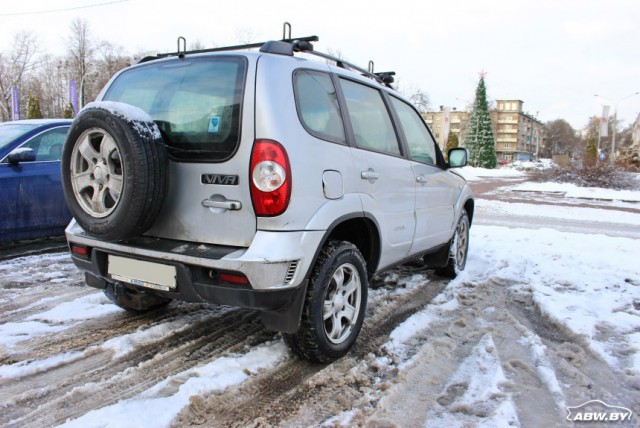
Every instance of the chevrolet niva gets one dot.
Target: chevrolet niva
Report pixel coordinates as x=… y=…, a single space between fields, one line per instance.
x=261 y=179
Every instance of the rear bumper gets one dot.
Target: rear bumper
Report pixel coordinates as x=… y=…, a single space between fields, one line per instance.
x=276 y=281
x=273 y=261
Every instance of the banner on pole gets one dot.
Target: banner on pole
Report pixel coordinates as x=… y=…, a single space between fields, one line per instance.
x=73 y=95
x=15 y=103
x=604 y=122
x=447 y=124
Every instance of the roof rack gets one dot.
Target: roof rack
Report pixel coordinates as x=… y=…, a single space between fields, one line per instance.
x=286 y=46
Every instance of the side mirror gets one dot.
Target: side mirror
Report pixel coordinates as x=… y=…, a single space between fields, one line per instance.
x=21 y=154
x=458 y=157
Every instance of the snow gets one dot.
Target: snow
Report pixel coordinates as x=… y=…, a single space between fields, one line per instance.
x=123 y=110
x=558 y=211
x=141 y=121
x=15 y=332
x=474 y=174
x=581 y=282
x=94 y=305
x=60 y=318
x=158 y=408
x=573 y=191
x=482 y=376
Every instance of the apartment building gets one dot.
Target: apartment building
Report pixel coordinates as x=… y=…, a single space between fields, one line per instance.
x=518 y=135
x=437 y=122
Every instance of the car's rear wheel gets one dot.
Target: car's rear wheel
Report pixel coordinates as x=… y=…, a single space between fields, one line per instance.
x=334 y=305
x=458 y=249
x=114 y=173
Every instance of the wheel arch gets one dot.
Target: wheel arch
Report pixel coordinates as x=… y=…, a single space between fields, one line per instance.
x=361 y=230
x=469 y=206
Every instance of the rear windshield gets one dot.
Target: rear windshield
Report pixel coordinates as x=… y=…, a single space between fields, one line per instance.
x=196 y=102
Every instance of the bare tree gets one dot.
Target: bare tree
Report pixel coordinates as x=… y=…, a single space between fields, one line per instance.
x=109 y=59
x=80 y=53
x=15 y=66
x=419 y=98
x=560 y=139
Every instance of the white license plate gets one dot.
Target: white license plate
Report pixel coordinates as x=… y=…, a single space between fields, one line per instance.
x=144 y=274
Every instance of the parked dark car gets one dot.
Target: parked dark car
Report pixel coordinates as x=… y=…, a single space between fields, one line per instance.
x=33 y=204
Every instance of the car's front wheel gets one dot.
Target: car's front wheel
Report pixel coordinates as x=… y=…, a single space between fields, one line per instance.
x=458 y=249
x=334 y=305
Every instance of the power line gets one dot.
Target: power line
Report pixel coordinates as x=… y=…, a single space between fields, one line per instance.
x=42 y=12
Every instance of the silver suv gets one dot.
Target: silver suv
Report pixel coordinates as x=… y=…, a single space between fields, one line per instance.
x=260 y=179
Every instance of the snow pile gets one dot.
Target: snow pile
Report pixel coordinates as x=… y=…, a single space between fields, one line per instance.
x=573 y=191
x=536 y=165
x=540 y=212
x=474 y=174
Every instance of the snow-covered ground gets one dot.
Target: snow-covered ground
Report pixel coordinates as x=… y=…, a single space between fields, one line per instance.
x=541 y=319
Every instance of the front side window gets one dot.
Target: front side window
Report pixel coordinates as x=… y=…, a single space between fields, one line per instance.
x=421 y=145
x=48 y=145
x=196 y=102
x=317 y=104
x=372 y=126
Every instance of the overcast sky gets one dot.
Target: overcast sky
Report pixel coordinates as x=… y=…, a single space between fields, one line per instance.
x=552 y=54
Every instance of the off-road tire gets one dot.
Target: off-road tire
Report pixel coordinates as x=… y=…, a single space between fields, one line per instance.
x=339 y=267
x=458 y=250
x=114 y=173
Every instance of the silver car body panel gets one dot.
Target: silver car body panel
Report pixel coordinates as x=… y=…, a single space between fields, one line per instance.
x=412 y=216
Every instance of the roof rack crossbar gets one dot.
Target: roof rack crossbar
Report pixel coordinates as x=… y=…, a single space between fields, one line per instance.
x=300 y=44
x=344 y=64
x=233 y=48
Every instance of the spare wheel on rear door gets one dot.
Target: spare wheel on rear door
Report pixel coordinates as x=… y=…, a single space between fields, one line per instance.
x=114 y=170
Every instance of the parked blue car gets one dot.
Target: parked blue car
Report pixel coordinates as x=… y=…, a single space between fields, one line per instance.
x=32 y=202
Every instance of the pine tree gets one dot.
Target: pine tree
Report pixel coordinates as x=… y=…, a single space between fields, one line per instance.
x=33 y=108
x=452 y=143
x=68 y=112
x=591 y=152
x=479 y=139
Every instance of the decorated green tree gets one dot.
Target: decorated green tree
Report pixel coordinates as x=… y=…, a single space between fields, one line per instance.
x=33 y=108
x=479 y=139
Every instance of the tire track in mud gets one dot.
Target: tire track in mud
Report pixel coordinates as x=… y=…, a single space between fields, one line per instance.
x=271 y=398
x=546 y=368
x=113 y=380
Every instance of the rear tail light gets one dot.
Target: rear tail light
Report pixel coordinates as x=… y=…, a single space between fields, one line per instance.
x=270 y=178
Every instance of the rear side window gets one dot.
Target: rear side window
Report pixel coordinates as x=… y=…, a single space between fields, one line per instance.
x=370 y=119
x=317 y=104
x=196 y=102
x=421 y=145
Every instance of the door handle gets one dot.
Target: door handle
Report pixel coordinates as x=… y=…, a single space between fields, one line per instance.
x=422 y=179
x=225 y=205
x=370 y=175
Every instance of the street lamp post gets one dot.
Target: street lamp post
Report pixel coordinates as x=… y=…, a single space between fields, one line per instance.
x=615 y=122
x=94 y=72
